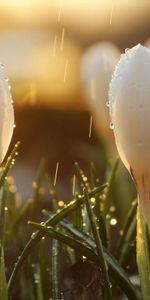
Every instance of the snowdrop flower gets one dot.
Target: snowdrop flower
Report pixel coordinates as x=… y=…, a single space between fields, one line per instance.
x=97 y=67
x=129 y=98
x=6 y=114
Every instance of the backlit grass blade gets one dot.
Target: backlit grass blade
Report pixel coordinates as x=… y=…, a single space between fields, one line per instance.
x=3 y=283
x=56 y=287
x=44 y=269
x=108 y=193
x=77 y=221
x=93 y=176
x=143 y=255
x=53 y=193
x=30 y=278
x=84 y=183
x=3 y=210
x=52 y=221
x=116 y=271
x=124 y=232
x=9 y=163
x=97 y=203
x=38 y=284
x=102 y=230
x=99 y=248
x=82 y=176
x=23 y=211
x=129 y=242
x=37 y=185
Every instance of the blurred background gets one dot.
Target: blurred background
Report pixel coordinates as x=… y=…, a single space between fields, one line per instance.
x=42 y=43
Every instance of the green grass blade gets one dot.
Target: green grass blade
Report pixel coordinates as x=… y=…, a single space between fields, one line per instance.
x=51 y=222
x=99 y=248
x=38 y=284
x=143 y=255
x=56 y=287
x=44 y=269
x=53 y=193
x=19 y=217
x=37 y=185
x=116 y=271
x=93 y=176
x=129 y=242
x=9 y=163
x=30 y=278
x=2 y=217
x=82 y=176
x=102 y=230
x=84 y=183
x=77 y=221
x=3 y=283
x=108 y=193
x=131 y=215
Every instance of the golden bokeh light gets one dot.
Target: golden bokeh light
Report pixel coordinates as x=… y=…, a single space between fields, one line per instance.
x=46 y=67
x=47 y=38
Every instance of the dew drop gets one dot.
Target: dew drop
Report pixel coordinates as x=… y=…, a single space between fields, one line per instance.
x=112 y=208
x=113 y=222
x=121 y=232
x=61 y=203
x=33 y=235
x=107 y=104
x=93 y=200
x=108 y=216
x=111 y=125
x=84 y=178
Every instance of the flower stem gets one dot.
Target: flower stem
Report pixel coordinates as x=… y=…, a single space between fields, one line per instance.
x=143 y=253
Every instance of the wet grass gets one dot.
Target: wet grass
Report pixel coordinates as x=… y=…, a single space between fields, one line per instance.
x=53 y=250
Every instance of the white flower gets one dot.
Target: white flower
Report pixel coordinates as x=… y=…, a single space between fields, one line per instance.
x=129 y=98
x=97 y=67
x=6 y=114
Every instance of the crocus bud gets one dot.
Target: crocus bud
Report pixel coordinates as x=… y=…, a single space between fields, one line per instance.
x=97 y=67
x=129 y=99
x=6 y=114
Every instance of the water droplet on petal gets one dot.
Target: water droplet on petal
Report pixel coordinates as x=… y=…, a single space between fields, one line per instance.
x=111 y=125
